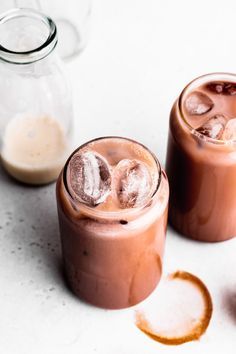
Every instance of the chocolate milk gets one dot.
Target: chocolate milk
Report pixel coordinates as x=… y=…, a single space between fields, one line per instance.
x=112 y=201
x=201 y=159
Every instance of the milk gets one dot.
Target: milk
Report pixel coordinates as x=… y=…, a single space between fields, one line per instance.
x=34 y=149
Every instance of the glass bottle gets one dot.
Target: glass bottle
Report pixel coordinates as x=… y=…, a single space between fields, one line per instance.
x=35 y=107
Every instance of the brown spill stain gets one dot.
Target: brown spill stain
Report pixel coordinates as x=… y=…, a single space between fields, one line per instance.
x=196 y=332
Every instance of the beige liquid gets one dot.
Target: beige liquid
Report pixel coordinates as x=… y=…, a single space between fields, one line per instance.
x=34 y=149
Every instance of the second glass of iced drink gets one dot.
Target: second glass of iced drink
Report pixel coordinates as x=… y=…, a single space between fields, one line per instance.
x=112 y=201
x=201 y=159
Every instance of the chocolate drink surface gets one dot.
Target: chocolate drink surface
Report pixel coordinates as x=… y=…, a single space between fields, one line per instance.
x=201 y=159
x=112 y=201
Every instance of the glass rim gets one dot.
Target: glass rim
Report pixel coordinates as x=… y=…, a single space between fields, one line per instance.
x=111 y=214
x=215 y=76
x=38 y=53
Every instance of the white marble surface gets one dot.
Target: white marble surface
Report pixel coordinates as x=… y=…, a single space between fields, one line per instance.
x=140 y=55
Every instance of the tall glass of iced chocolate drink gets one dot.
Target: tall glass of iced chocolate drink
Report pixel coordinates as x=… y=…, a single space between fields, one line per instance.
x=201 y=159
x=112 y=201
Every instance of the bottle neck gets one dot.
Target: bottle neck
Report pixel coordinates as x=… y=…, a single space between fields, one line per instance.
x=26 y=36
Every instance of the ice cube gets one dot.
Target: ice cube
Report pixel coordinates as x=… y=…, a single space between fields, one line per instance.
x=214 y=127
x=198 y=103
x=230 y=89
x=216 y=86
x=230 y=130
x=226 y=88
x=89 y=178
x=132 y=183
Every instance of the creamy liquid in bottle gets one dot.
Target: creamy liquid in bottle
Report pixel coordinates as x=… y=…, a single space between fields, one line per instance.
x=34 y=149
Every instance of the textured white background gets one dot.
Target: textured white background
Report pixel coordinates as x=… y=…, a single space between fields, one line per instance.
x=140 y=55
